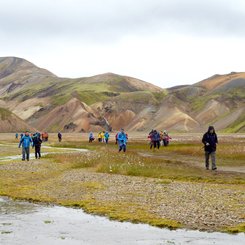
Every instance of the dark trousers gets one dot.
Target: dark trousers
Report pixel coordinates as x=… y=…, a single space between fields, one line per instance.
x=37 y=151
x=122 y=147
x=25 y=153
x=155 y=144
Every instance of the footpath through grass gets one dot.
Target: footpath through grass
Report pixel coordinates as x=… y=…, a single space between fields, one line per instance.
x=177 y=162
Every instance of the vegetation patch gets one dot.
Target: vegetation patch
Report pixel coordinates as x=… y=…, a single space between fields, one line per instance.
x=236 y=229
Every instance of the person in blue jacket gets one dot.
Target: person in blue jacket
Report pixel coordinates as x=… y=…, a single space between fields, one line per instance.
x=25 y=142
x=91 y=137
x=155 y=139
x=106 y=135
x=122 y=140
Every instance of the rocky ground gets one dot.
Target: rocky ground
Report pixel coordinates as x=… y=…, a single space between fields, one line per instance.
x=202 y=206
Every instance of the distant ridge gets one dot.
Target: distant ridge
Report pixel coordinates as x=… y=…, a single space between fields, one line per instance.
x=110 y=101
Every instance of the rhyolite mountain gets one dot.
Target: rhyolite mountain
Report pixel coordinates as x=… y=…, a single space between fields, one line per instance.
x=40 y=100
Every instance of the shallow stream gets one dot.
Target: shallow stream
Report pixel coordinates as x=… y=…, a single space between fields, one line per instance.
x=29 y=223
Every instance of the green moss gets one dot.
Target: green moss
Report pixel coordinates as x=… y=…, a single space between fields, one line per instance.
x=237 y=126
x=47 y=221
x=236 y=229
x=159 y=96
x=125 y=212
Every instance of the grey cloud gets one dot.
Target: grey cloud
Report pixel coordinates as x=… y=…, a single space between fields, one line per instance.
x=110 y=19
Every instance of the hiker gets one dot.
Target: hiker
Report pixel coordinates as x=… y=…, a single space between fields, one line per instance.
x=100 y=136
x=116 y=138
x=25 y=142
x=91 y=137
x=150 y=138
x=59 y=136
x=106 y=135
x=210 y=141
x=103 y=136
x=161 y=137
x=21 y=135
x=155 y=139
x=166 y=138
x=44 y=136
x=16 y=136
x=37 y=144
x=122 y=140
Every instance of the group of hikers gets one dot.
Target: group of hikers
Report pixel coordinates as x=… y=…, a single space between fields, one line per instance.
x=209 y=139
x=156 y=138
x=121 y=139
x=103 y=137
x=26 y=141
x=35 y=140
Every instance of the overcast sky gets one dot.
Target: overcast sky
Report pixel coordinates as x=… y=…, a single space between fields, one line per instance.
x=165 y=42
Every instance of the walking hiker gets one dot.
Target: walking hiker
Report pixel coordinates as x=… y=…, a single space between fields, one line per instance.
x=37 y=144
x=210 y=140
x=107 y=136
x=116 y=138
x=25 y=142
x=155 y=137
x=103 y=136
x=166 y=138
x=91 y=137
x=16 y=136
x=100 y=136
x=59 y=136
x=122 y=140
x=150 y=138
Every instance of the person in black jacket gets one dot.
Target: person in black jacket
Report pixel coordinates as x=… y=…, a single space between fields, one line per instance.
x=59 y=136
x=210 y=140
x=37 y=144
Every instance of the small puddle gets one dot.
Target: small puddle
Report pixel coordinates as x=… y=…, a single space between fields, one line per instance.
x=32 y=155
x=29 y=223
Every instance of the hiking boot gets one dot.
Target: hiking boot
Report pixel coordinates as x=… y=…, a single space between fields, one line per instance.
x=214 y=169
x=23 y=159
x=207 y=168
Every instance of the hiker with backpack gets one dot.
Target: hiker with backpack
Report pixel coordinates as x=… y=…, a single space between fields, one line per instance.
x=91 y=137
x=106 y=135
x=155 y=139
x=25 y=142
x=37 y=144
x=100 y=137
x=59 y=136
x=166 y=138
x=150 y=138
x=122 y=139
x=210 y=140
x=116 y=138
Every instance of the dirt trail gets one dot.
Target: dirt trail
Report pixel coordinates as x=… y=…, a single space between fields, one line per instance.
x=190 y=161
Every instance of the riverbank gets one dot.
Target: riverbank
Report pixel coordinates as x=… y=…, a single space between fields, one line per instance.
x=28 y=223
x=164 y=193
